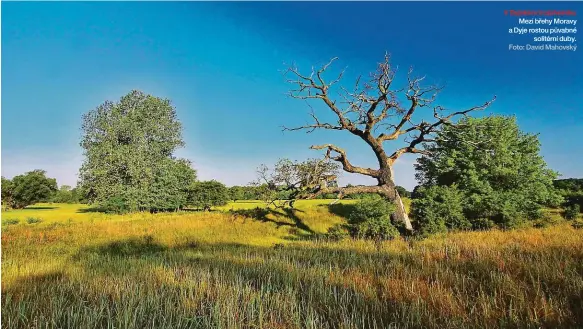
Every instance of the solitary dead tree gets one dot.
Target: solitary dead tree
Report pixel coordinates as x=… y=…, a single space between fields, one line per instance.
x=376 y=114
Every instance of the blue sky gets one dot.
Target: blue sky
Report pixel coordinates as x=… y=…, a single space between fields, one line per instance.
x=220 y=64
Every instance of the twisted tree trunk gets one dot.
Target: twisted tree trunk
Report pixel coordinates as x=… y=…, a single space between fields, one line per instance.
x=400 y=214
x=386 y=181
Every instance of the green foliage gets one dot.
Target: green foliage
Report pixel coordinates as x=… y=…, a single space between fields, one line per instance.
x=337 y=232
x=439 y=208
x=251 y=193
x=129 y=161
x=572 y=191
x=572 y=211
x=569 y=184
x=283 y=194
x=327 y=196
x=403 y=192
x=7 y=189
x=65 y=194
x=33 y=220
x=482 y=224
x=572 y=198
x=359 y=196
x=208 y=194
x=171 y=187
x=79 y=194
x=495 y=167
x=577 y=223
x=10 y=221
x=116 y=204
x=254 y=192
x=28 y=189
x=258 y=192
x=237 y=193
x=545 y=221
x=371 y=219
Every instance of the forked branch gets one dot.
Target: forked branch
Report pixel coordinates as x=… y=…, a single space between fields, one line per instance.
x=343 y=159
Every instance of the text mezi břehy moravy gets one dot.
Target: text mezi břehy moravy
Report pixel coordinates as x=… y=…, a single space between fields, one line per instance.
x=554 y=34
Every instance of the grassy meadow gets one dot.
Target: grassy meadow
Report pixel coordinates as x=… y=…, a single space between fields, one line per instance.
x=77 y=268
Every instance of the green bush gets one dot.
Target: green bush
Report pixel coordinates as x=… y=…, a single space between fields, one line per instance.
x=208 y=194
x=572 y=211
x=10 y=221
x=327 y=196
x=371 y=219
x=33 y=220
x=497 y=169
x=27 y=189
x=337 y=232
x=438 y=209
x=482 y=224
x=545 y=221
x=116 y=204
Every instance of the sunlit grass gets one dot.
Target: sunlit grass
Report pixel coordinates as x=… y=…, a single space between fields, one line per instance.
x=221 y=269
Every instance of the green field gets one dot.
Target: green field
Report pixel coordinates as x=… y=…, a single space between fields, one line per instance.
x=82 y=269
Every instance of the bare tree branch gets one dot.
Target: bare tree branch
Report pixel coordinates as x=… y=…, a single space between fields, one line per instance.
x=317 y=124
x=308 y=88
x=344 y=191
x=342 y=158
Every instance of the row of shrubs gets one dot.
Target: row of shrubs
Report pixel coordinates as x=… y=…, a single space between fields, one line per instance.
x=370 y=219
x=14 y=221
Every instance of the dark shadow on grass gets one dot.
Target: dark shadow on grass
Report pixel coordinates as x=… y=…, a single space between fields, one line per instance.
x=91 y=209
x=341 y=209
x=292 y=213
x=262 y=214
x=191 y=210
x=134 y=247
x=39 y=208
x=26 y=283
x=105 y=211
x=200 y=210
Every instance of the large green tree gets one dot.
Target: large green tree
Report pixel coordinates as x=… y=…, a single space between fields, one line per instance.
x=494 y=170
x=129 y=148
x=208 y=194
x=28 y=189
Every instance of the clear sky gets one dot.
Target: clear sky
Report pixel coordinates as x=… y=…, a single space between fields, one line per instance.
x=220 y=64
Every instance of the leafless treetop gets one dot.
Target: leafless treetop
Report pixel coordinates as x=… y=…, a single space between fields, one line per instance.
x=374 y=110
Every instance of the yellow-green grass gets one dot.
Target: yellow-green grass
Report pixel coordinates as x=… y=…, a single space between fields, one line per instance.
x=80 y=269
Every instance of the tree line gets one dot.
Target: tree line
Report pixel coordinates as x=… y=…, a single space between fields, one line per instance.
x=473 y=172
x=35 y=187
x=255 y=192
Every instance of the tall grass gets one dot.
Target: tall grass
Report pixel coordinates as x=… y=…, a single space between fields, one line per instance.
x=230 y=270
